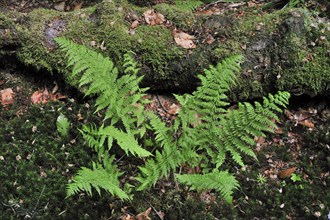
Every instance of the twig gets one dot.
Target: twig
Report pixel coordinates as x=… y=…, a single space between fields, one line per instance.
x=222 y=1
x=161 y=217
x=161 y=105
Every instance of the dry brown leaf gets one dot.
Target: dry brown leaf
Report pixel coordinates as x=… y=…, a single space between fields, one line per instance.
x=153 y=18
x=135 y=24
x=286 y=173
x=174 y=109
x=144 y=215
x=44 y=96
x=184 y=40
x=60 y=6
x=39 y=97
x=304 y=114
x=307 y=123
x=288 y=114
x=127 y=217
x=210 y=39
x=251 y=4
x=279 y=130
x=260 y=140
x=7 y=96
x=78 y=6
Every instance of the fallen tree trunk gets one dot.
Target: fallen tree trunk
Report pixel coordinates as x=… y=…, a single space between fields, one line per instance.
x=284 y=50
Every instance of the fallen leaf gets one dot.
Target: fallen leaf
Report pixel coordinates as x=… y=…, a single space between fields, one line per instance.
x=184 y=40
x=288 y=114
x=78 y=6
x=286 y=173
x=304 y=114
x=60 y=6
x=174 y=109
x=153 y=18
x=210 y=39
x=144 y=215
x=251 y=4
x=307 y=123
x=135 y=24
x=7 y=96
x=39 y=97
x=55 y=89
x=44 y=96
x=260 y=140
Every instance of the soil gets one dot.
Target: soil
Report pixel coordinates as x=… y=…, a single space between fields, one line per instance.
x=290 y=181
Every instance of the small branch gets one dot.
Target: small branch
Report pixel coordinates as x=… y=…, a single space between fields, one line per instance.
x=161 y=217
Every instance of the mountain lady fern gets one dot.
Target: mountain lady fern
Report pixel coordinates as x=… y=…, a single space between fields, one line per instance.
x=205 y=133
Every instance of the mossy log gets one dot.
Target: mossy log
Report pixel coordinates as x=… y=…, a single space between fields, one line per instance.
x=284 y=50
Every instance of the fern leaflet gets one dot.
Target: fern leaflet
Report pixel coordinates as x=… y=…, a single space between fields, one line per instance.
x=223 y=182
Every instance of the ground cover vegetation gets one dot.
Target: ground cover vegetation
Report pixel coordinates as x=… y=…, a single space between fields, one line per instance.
x=204 y=130
x=117 y=152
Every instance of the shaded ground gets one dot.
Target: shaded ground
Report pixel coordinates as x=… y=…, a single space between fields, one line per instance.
x=28 y=5
x=290 y=181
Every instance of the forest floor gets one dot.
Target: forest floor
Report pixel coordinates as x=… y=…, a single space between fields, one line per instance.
x=291 y=180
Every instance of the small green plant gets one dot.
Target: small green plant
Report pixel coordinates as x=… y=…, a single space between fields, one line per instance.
x=296 y=178
x=206 y=133
x=295 y=3
x=63 y=125
x=261 y=179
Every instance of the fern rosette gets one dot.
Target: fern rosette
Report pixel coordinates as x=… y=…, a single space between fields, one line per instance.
x=205 y=133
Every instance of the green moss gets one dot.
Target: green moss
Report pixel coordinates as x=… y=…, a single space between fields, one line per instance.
x=181 y=19
x=156 y=47
x=230 y=47
x=31 y=31
x=309 y=72
x=37 y=164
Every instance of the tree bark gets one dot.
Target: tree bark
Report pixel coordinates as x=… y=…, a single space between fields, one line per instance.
x=284 y=50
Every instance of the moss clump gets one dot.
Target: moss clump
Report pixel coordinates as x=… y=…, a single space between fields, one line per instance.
x=33 y=50
x=309 y=72
x=37 y=164
x=156 y=47
x=181 y=19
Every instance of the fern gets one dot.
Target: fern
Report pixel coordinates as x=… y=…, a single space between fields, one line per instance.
x=222 y=182
x=118 y=97
x=205 y=133
x=97 y=178
x=209 y=128
x=62 y=125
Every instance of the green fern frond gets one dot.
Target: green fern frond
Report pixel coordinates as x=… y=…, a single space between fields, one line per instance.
x=223 y=182
x=62 y=125
x=118 y=95
x=210 y=100
x=161 y=131
x=131 y=66
x=97 y=178
x=159 y=167
x=204 y=133
x=125 y=140
x=239 y=127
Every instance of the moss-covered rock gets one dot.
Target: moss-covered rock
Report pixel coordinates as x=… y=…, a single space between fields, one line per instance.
x=286 y=49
